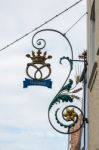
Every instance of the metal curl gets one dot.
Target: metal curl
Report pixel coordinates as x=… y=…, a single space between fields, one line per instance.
x=67 y=58
x=44 y=45
x=68 y=126
x=40 y=43
x=60 y=98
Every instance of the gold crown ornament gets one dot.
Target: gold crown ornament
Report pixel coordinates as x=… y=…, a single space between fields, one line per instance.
x=38 y=57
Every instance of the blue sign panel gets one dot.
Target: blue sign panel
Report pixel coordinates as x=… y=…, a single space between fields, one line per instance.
x=30 y=82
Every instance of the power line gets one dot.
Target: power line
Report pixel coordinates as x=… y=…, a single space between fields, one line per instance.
x=40 y=25
x=75 y=23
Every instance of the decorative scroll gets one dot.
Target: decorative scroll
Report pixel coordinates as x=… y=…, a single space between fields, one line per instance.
x=61 y=117
x=68 y=116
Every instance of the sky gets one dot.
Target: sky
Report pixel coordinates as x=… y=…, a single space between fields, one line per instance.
x=23 y=112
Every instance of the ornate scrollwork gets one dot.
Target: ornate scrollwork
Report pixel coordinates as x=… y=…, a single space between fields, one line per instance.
x=67 y=116
x=70 y=113
x=66 y=94
x=40 y=43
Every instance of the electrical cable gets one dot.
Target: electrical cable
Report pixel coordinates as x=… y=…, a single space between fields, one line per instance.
x=40 y=26
x=75 y=23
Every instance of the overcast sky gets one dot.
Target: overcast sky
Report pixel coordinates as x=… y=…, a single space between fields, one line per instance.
x=23 y=112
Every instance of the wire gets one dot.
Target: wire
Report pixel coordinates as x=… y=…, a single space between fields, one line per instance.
x=75 y=23
x=40 y=26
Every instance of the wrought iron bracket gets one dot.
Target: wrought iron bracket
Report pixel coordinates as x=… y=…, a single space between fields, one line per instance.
x=68 y=118
x=86 y=120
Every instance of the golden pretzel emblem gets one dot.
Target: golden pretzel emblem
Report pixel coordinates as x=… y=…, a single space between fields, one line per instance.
x=38 y=63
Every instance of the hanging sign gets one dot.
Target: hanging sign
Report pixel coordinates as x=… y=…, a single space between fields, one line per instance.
x=37 y=77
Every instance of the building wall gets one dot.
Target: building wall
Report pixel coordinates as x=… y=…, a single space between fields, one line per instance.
x=75 y=138
x=93 y=75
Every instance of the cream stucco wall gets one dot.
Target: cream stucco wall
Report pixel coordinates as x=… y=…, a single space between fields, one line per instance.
x=93 y=94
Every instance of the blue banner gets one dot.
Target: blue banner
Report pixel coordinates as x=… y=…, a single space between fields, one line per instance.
x=29 y=82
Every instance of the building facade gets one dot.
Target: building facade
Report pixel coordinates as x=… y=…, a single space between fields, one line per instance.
x=93 y=72
x=75 y=138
